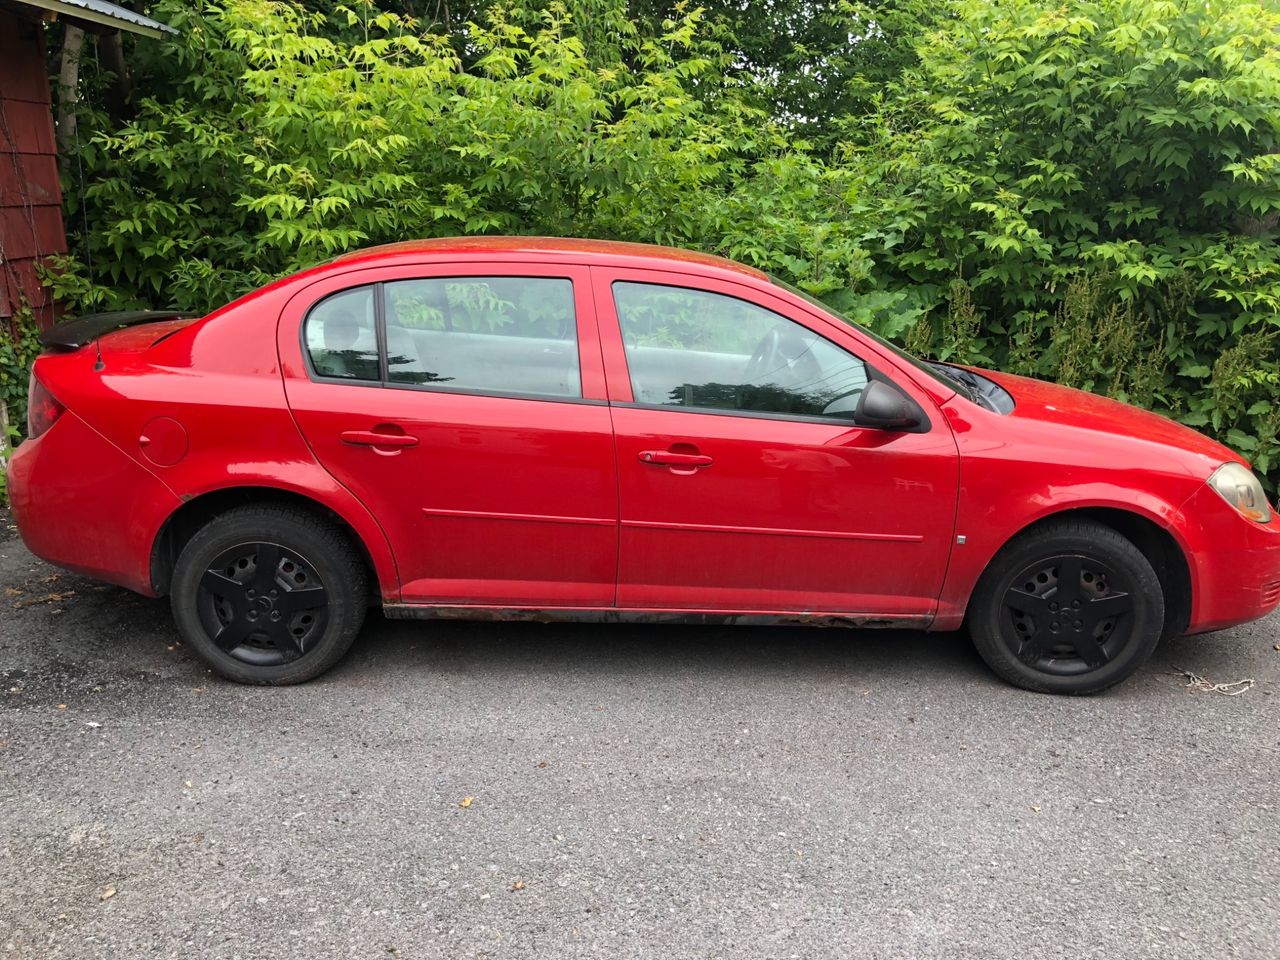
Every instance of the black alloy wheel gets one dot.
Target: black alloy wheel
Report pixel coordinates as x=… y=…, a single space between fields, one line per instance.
x=1068 y=615
x=263 y=604
x=269 y=594
x=1070 y=606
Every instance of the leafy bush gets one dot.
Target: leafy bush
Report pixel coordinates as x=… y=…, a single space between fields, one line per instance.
x=283 y=144
x=17 y=351
x=1104 y=178
x=18 y=348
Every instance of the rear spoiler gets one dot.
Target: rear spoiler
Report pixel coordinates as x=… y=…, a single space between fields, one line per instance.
x=75 y=334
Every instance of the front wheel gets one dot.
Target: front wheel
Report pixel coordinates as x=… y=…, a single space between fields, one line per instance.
x=1070 y=607
x=269 y=595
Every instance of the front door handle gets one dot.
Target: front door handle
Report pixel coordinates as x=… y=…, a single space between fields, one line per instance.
x=371 y=438
x=671 y=458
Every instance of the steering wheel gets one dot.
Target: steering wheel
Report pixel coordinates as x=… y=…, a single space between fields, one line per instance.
x=784 y=358
x=766 y=358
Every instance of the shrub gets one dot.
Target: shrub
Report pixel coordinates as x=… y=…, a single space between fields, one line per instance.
x=18 y=348
x=291 y=143
x=1104 y=176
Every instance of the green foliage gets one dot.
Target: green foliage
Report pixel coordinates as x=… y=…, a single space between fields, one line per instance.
x=813 y=62
x=17 y=351
x=290 y=145
x=18 y=348
x=276 y=138
x=1105 y=176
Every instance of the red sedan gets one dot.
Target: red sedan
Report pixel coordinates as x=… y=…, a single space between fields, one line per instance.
x=520 y=427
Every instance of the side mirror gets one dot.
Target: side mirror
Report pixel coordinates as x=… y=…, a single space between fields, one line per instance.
x=883 y=407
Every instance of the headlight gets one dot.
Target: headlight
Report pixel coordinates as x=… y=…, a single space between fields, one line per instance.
x=1240 y=488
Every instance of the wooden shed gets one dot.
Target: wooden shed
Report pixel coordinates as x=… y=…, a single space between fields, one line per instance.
x=30 y=194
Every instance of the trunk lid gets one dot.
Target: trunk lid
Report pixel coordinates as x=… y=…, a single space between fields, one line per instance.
x=128 y=329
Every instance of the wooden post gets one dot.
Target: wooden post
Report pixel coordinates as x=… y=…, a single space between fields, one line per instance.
x=69 y=88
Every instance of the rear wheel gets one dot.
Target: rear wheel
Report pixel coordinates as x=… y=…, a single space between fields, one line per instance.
x=269 y=595
x=1069 y=607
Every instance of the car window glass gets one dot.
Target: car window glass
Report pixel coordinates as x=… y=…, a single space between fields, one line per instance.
x=694 y=348
x=341 y=338
x=492 y=334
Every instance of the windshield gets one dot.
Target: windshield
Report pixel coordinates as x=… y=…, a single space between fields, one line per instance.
x=924 y=367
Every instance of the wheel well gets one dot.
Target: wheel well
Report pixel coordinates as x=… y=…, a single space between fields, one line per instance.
x=1160 y=549
x=184 y=522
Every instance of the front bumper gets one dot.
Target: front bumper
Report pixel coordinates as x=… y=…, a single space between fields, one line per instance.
x=1235 y=563
x=81 y=503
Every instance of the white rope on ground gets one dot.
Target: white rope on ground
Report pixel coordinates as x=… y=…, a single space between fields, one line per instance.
x=1197 y=682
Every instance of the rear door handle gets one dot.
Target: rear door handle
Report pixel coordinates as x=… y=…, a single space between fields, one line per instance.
x=670 y=458
x=371 y=438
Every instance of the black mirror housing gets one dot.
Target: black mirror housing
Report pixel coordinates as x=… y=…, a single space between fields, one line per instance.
x=884 y=408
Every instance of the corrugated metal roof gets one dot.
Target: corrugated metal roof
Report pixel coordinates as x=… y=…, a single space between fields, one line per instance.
x=106 y=14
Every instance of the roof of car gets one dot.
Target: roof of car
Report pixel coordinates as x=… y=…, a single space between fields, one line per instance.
x=553 y=245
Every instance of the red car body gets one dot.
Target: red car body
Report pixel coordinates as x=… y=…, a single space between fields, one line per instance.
x=509 y=503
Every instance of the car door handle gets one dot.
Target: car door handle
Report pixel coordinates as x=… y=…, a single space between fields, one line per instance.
x=371 y=438
x=670 y=458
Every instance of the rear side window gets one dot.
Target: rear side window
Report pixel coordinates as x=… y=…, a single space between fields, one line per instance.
x=341 y=336
x=487 y=334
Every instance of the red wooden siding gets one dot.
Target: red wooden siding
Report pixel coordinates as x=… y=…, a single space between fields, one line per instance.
x=30 y=195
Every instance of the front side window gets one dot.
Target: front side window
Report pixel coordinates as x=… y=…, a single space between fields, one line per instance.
x=695 y=348
x=490 y=334
x=341 y=337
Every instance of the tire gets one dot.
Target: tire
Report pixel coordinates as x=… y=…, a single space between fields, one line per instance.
x=1038 y=633
x=269 y=594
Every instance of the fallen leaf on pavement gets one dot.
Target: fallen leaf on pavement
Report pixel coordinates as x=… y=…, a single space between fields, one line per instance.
x=47 y=598
x=107 y=894
x=518 y=885
x=466 y=802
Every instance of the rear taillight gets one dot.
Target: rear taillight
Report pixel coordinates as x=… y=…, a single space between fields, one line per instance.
x=43 y=409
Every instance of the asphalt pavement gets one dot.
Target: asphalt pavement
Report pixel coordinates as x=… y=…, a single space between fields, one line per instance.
x=480 y=790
